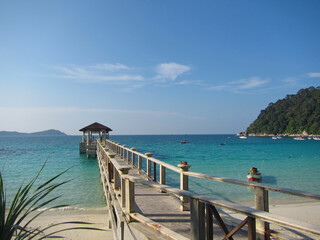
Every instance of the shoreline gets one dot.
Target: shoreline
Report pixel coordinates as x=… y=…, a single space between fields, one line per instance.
x=273 y=135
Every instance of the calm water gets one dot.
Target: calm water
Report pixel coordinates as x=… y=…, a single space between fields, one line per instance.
x=284 y=162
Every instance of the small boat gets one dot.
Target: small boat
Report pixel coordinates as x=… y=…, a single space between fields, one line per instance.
x=274 y=137
x=221 y=144
x=299 y=138
x=243 y=137
x=254 y=175
x=316 y=138
x=279 y=137
x=184 y=142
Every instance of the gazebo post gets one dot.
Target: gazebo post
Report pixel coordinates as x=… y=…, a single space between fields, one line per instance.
x=83 y=136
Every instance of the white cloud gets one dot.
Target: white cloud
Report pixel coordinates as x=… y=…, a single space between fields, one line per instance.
x=313 y=74
x=99 y=73
x=111 y=67
x=251 y=83
x=290 y=80
x=243 y=84
x=170 y=70
x=219 y=87
x=190 y=82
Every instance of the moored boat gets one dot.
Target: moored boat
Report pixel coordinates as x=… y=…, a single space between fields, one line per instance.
x=299 y=138
x=254 y=175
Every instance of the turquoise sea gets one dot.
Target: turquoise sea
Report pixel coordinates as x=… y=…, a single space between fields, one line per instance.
x=284 y=162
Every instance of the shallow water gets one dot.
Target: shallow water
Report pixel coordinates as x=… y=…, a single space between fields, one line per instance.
x=284 y=162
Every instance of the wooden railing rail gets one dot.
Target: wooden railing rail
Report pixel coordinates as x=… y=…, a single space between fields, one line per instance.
x=248 y=211
x=252 y=184
x=117 y=221
x=226 y=180
x=261 y=199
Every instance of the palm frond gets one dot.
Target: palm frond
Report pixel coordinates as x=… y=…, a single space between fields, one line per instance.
x=27 y=201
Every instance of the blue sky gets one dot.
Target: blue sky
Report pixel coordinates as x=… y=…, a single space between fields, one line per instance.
x=150 y=66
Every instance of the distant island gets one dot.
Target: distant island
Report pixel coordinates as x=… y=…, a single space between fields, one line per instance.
x=297 y=114
x=51 y=132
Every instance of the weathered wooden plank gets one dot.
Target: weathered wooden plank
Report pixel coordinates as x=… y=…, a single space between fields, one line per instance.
x=261 y=202
x=251 y=212
x=251 y=184
x=129 y=196
x=209 y=223
x=236 y=229
x=158 y=227
x=220 y=222
x=197 y=220
x=251 y=228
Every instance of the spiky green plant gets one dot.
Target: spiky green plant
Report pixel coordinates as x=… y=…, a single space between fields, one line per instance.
x=15 y=221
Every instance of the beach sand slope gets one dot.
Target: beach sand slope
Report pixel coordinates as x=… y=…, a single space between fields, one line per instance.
x=98 y=218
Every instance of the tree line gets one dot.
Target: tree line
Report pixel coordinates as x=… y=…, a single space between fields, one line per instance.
x=292 y=115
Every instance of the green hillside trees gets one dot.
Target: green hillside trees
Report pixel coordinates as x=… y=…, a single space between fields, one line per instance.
x=292 y=115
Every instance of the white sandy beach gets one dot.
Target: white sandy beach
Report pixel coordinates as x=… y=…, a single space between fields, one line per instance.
x=98 y=218
x=305 y=212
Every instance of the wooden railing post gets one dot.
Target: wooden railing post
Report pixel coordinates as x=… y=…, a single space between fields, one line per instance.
x=184 y=185
x=124 y=151
x=128 y=156
x=118 y=149
x=154 y=172
x=123 y=192
x=149 y=155
x=261 y=202
x=252 y=228
x=139 y=163
x=129 y=196
x=133 y=157
x=162 y=176
x=197 y=221
x=123 y=188
x=209 y=223
x=110 y=168
x=116 y=179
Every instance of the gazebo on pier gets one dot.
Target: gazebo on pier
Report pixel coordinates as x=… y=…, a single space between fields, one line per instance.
x=88 y=145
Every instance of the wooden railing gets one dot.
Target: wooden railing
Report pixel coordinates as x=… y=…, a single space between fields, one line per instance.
x=202 y=207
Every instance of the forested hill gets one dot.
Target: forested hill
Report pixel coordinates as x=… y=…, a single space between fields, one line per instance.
x=292 y=115
x=46 y=133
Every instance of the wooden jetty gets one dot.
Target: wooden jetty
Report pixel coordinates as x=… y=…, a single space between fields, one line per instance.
x=142 y=206
x=88 y=145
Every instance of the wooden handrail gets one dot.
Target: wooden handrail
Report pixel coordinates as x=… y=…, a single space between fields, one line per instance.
x=248 y=184
x=228 y=180
x=248 y=211
x=259 y=215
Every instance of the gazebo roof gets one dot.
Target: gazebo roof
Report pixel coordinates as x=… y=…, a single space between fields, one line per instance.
x=95 y=127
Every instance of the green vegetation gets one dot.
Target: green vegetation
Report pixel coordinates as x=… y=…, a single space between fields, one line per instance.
x=15 y=220
x=291 y=115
